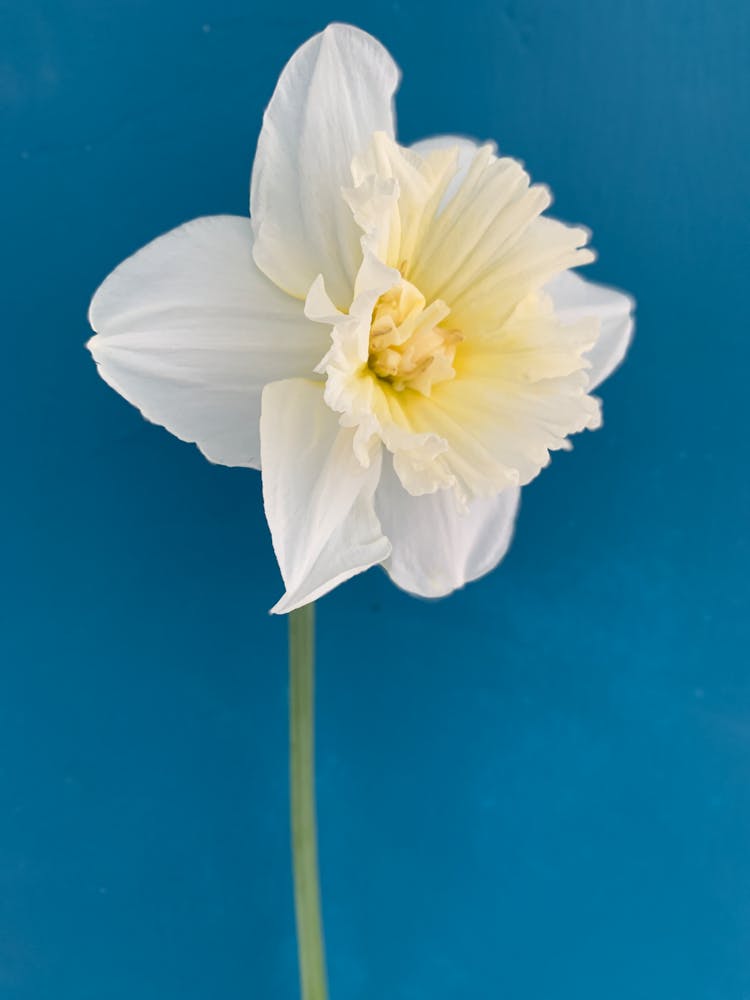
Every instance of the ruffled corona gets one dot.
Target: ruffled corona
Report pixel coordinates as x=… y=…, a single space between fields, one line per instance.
x=450 y=354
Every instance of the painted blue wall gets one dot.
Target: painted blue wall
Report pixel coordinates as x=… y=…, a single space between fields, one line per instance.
x=537 y=789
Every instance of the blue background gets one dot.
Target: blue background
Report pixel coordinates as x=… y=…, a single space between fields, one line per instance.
x=536 y=789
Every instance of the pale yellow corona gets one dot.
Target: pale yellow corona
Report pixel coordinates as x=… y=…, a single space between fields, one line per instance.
x=450 y=354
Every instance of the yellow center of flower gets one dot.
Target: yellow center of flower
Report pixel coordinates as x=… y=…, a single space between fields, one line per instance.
x=408 y=346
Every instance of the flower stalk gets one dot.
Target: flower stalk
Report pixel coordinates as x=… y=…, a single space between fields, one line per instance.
x=310 y=947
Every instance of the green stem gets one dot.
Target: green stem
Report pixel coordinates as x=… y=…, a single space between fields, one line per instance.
x=312 y=963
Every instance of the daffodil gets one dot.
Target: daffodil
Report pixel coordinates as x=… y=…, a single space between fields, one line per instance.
x=394 y=337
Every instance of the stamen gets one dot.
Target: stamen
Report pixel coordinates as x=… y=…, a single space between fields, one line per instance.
x=408 y=347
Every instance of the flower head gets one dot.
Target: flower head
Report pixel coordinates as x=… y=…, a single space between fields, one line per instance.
x=394 y=337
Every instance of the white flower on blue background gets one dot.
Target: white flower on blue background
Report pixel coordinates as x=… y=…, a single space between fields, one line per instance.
x=394 y=337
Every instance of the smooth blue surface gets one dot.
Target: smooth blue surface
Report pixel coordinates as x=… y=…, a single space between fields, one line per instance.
x=537 y=789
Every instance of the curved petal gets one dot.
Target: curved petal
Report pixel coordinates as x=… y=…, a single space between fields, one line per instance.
x=436 y=549
x=318 y=498
x=335 y=91
x=189 y=331
x=575 y=298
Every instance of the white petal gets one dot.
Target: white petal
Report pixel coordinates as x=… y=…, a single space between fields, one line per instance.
x=335 y=91
x=189 y=331
x=575 y=298
x=436 y=549
x=318 y=498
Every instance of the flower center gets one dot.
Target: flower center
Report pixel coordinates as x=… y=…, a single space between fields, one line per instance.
x=408 y=347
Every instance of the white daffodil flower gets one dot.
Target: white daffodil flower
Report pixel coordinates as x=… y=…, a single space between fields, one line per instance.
x=393 y=337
